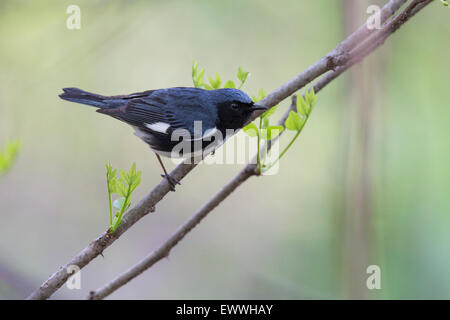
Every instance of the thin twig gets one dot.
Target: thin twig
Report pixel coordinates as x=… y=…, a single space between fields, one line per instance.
x=337 y=59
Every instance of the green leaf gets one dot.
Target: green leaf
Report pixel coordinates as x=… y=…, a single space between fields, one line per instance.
x=198 y=82
x=294 y=121
x=269 y=112
x=135 y=179
x=302 y=105
x=121 y=189
x=194 y=74
x=122 y=186
x=271 y=132
x=8 y=155
x=242 y=75
x=114 y=222
x=230 y=84
x=123 y=176
x=111 y=179
x=132 y=172
x=113 y=184
x=135 y=183
x=310 y=98
x=118 y=203
x=265 y=123
x=261 y=95
x=194 y=68
x=251 y=129
x=215 y=83
x=12 y=148
x=108 y=168
x=445 y=3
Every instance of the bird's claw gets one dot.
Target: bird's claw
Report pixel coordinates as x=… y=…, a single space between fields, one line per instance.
x=172 y=181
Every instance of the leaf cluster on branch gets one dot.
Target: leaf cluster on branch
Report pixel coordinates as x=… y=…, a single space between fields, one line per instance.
x=8 y=155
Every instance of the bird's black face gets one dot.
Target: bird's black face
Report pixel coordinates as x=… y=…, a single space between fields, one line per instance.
x=234 y=114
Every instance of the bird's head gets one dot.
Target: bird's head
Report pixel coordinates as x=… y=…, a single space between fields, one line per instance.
x=234 y=107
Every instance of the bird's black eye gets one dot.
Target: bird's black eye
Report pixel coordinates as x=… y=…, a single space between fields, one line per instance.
x=234 y=106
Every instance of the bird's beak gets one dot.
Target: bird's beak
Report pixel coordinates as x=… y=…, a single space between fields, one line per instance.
x=258 y=107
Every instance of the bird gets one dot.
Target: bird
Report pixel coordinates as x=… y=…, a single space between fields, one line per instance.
x=157 y=115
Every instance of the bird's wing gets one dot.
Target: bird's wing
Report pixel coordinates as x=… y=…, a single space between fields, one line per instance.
x=164 y=112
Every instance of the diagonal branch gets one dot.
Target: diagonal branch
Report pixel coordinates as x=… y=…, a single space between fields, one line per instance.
x=355 y=56
x=335 y=62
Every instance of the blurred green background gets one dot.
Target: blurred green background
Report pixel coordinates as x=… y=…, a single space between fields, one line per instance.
x=366 y=184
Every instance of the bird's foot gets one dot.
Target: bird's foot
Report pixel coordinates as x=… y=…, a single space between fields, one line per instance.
x=172 y=181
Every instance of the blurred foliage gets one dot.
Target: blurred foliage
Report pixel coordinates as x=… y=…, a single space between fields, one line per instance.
x=123 y=186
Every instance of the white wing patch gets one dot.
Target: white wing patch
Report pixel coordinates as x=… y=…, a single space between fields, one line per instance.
x=208 y=133
x=158 y=126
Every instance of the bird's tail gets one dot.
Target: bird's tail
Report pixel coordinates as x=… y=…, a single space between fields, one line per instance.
x=84 y=97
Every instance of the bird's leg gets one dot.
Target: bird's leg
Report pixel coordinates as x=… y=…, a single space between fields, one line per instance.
x=171 y=180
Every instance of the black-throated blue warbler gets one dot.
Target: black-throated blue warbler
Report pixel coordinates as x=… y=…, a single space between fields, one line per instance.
x=157 y=114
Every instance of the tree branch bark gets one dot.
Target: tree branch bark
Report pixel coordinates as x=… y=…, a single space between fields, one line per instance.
x=335 y=62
